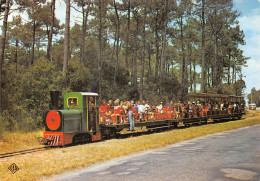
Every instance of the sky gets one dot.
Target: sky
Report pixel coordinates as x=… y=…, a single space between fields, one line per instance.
x=249 y=22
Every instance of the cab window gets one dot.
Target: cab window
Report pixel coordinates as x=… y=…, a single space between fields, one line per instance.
x=72 y=102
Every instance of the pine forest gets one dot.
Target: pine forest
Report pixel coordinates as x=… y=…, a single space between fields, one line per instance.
x=122 y=49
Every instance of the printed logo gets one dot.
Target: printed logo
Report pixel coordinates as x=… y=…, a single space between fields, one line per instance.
x=13 y=168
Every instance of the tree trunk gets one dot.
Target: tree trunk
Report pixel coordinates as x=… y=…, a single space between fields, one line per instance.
x=135 y=53
x=215 y=67
x=84 y=29
x=114 y=47
x=194 y=77
x=233 y=74
x=208 y=77
x=162 y=72
x=143 y=51
x=127 y=35
x=203 y=69
x=66 y=42
x=157 y=45
x=33 y=42
x=149 y=61
x=189 y=59
x=117 y=43
x=49 y=48
x=100 y=27
x=4 y=29
x=184 y=68
x=229 y=65
x=16 y=55
x=191 y=80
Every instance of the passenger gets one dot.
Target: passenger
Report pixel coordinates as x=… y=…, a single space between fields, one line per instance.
x=119 y=112
x=160 y=107
x=215 y=108
x=232 y=107
x=134 y=109
x=136 y=105
x=178 y=110
x=221 y=105
x=203 y=111
x=102 y=111
x=141 y=110
x=185 y=109
x=152 y=112
x=91 y=111
x=167 y=104
x=147 y=106
x=238 y=107
x=235 y=107
x=131 y=113
x=226 y=107
x=139 y=103
x=207 y=108
x=125 y=106
x=193 y=109
x=147 y=110
x=110 y=105
x=167 y=110
x=189 y=110
x=110 y=111
x=172 y=106
x=103 y=107
x=116 y=104
x=197 y=109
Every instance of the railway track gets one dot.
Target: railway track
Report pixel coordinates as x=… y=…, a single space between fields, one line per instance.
x=22 y=152
x=122 y=135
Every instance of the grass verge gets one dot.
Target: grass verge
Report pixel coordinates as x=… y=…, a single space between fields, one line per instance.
x=43 y=164
x=18 y=141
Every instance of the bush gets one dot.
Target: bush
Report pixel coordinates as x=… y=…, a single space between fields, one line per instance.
x=8 y=122
x=31 y=98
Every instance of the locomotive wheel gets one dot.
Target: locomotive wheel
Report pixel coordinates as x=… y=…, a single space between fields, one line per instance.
x=112 y=133
x=75 y=139
x=87 y=138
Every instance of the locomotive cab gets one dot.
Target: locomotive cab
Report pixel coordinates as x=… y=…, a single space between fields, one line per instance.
x=77 y=122
x=86 y=103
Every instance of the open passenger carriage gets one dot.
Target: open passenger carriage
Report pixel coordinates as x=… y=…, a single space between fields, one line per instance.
x=82 y=121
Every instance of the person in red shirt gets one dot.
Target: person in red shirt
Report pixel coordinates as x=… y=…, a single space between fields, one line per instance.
x=132 y=112
x=102 y=111
x=119 y=111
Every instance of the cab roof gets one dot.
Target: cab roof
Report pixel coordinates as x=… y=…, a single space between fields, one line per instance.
x=89 y=93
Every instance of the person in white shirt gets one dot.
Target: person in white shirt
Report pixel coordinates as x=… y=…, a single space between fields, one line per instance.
x=141 y=110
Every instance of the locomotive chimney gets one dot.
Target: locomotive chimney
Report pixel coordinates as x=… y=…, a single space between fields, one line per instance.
x=54 y=99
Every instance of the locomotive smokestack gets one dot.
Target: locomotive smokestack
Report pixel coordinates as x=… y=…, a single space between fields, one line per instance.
x=54 y=99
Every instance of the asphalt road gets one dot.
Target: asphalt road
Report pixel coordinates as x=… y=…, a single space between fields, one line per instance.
x=226 y=156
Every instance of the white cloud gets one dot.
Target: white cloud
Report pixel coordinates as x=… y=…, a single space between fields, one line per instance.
x=250 y=22
x=252 y=75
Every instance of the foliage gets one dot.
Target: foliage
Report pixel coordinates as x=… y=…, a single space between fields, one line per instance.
x=8 y=123
x=255 y=95
x=127 y=49
x=30 y=100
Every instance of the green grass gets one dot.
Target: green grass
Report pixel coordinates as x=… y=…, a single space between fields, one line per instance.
x=47 y=163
